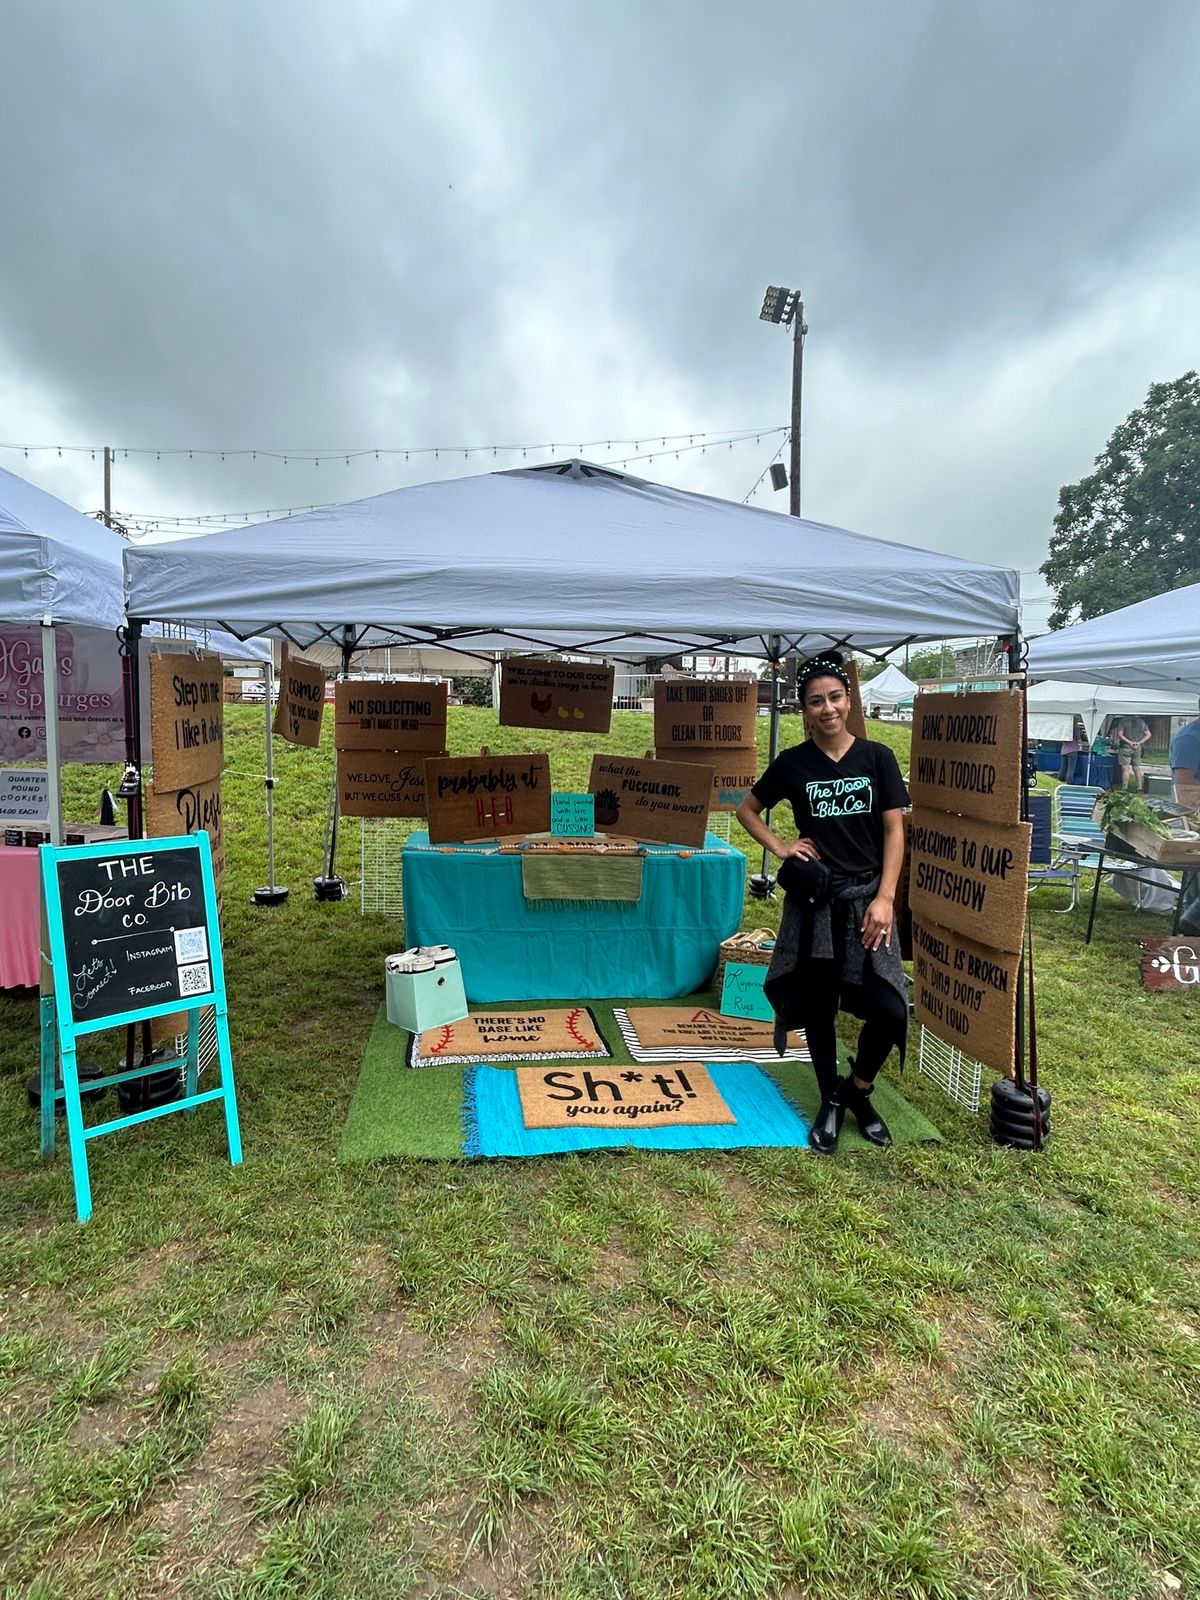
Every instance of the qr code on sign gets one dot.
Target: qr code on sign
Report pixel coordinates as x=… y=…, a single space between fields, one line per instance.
x=191 y=944
x=195 y=979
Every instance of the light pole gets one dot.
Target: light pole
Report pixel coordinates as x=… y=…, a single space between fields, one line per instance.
x=783 y=306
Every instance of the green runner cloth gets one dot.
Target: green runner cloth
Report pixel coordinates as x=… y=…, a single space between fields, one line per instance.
x=583 y=877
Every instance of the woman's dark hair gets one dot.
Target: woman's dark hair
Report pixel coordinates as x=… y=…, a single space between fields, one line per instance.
x=829 y=665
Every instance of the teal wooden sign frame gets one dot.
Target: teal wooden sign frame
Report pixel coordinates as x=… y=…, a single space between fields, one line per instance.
x=129 y=894
x=742 y=992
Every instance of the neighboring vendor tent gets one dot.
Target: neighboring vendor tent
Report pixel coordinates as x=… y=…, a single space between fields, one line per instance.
x=59 y=568
x=890 y=688
x=567 y=556
x=1154 y=644
x=1096 y=701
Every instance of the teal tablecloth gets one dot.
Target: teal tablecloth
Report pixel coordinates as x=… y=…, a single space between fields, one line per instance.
x=511 y=948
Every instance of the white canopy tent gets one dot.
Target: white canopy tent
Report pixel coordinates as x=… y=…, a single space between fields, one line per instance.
x=1154 y=644
x=61 y=568
x=567 y=557
x=1096 y=701
x=890 y=688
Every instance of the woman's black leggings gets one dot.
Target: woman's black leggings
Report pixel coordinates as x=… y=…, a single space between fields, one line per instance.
x=882 y=1027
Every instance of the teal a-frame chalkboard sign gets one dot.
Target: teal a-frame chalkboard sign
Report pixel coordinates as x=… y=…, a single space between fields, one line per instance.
x=133 y=933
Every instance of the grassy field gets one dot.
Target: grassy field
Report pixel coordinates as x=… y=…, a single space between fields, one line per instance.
x=944 y=1371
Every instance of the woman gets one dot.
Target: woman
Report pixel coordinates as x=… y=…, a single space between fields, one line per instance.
x=838 y=947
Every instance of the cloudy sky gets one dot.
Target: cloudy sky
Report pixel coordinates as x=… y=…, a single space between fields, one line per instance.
x=307 y=227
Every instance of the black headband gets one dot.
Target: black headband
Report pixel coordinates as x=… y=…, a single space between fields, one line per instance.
x=823 y=667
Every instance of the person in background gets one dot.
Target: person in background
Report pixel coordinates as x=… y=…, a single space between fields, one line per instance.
x=1073 y=751
x=1129 y=735
x=1184 y=757
x=838 y=948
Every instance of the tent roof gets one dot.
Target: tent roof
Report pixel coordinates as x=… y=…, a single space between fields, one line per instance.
x=55 y=561
x=1155 y=643
x=889 y=687
x=1095 y=701
x=569 y=556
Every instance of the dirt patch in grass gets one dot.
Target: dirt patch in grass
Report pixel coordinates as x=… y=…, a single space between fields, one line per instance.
x=211 y=1507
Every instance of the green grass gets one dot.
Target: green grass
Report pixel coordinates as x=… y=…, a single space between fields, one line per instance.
x=946 y=1371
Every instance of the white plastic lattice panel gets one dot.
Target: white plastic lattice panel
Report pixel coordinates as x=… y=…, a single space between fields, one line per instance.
x=207 y=1051
x=718 y=823
x=381 y=840
x=956 y=1075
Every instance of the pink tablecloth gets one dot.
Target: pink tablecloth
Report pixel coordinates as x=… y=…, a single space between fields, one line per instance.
x=19 y=906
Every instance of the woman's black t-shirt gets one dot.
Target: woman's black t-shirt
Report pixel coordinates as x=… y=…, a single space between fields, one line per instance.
x=839 y=805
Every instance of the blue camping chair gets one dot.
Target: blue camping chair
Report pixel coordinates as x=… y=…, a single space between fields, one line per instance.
x=1077 y=837
x=1046 y=863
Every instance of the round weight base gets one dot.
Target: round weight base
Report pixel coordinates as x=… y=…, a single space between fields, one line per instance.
x=86 y=1070
x=762 y=886
x=272 y=895
x=330 y=888
x=155 y=1089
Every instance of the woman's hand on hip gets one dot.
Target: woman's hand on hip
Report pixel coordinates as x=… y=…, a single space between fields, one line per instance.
x=877 y=923
x=801 y=850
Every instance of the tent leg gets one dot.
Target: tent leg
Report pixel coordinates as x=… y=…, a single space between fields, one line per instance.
x=762 y=884
x=329 y=886
x=271 y=894
x=50 y=694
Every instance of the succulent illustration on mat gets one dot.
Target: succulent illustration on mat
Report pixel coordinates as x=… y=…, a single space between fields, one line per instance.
x=608 y=808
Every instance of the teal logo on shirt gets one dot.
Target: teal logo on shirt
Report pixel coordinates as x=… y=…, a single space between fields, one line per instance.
x=840 y=797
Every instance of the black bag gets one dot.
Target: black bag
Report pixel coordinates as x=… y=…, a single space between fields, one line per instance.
x=810 y=881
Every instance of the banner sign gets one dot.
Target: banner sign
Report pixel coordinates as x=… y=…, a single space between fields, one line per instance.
x=970 y=876
x=186 y=811
x=301 y=701
x=187 y=720
x=734 y=772
x=966 y=993
x=707 y=714
x=24 y=794
x=91 y=724
x=387 y=714
x=966 y=754
x=487 y=797
x=572 y=816
x=381 y=783
x=665 y=801
x=570 y=696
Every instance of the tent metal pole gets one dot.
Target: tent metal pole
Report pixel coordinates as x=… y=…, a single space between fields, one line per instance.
x=329 y=886
x=50 y=695
x=272 y=894
x=762 y=884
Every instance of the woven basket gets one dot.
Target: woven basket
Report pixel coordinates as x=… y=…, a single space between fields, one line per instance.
x=754 y=949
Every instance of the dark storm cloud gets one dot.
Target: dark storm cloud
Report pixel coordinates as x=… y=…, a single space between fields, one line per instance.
x=309 y=225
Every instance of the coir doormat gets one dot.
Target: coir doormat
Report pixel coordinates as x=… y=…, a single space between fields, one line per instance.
x=700 y=1033
x=452 y=1111
x=683 y=1095
x=510 y=1036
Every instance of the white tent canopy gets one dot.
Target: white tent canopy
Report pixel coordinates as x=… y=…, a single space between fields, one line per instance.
x=890 y=688
x=61 y=568
x=567 y=557
x=1154 y=644
x=1096 y=701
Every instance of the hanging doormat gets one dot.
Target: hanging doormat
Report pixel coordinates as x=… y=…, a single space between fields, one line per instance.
x=576 y=1097
x=511 y=1036
x=700 y=1033
x=432 y=1116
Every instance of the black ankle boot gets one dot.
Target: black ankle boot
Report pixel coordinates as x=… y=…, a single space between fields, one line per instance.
x=827 y=1124
x=870 y=1124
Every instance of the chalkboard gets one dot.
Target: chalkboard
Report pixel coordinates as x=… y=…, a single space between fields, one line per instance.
x=138 y=929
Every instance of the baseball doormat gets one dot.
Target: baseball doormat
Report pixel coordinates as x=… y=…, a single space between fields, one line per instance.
x=700 y=1033
x=574 y=1097
x=510 y=1036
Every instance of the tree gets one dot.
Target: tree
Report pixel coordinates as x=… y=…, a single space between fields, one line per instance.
x=1131 y=529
